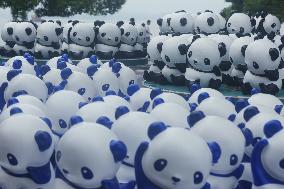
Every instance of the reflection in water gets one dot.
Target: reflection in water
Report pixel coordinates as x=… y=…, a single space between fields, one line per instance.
x=19 y=8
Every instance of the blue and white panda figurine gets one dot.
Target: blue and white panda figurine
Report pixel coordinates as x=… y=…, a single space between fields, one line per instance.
x=240 y=24
x=7 y=32
x=207 y=23
x=166 y=162
x=181 y=23
x=48 y=40
x=263 y=59
x=228 y=170
x=64 y=46
x=164 y=24
x=25 y=163
x=129 y=36
x=204 y=57
x=24 y=36
x=154 y=49
x=107 y=40
x=131 y=128
x=81 y=40
x=237 y=58
x=174 y=56
x=88 y=156
x=25 y=64
x=141 y=45
x=267 y=158
x=268 y=25
x=263 y=99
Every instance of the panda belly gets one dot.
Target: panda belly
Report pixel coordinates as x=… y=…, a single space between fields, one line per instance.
x=168 y=71
x=203 y=77
x=237 y=73
x=46 y=52
x=125 y=174
x=126 y=48
x=269 y=186
x=255 y=80
x=79 y=51
x=20 y=50
x=221 y=182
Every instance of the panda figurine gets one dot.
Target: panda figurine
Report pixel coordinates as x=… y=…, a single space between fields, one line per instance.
x=268 y=25
x=129 y=36
x=263 y=99
x=24 y=36
x=107 y=40
x=240 y=24
x=65 y=29
x=237 y=58
x=25 y=163
x=24 y=64
x=154 y=49
x=81 y=40
x=165 y=162
x=116 y=101
x=131 y=128
x=181 y=23
x=164 y=24
x=48 y=40
x=263 y=59
x=88 y=156
x=141 y=45
x=207 y=23
x=204 y=57
x=228 y=170
x=267 y=158
x=174 y=56
x=7 y=33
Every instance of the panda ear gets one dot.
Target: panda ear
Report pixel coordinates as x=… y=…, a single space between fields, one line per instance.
x=182 y=49
x=155 y=92
x=194 y=88
x=91 y=70
x=274 y=54
x=116 y=67
x=202 y=96
x=160 y=46
x=160 y=21
x=105 y=121
x=65 y=73
x=157 y=101
x=43 y=140
x=58 y=22
x=215 y=150
x=44 y=69
x=12 y=101
x=98 y=99
x=43 y=21
x=47 y=121
x=241 y=104
x=118 y=149
x=232 y=117
x=272 y=127
x=58 y=31
x=75 y=22
x=133 y=88
x=222 y=49
x=248 y=136
x=122 y=31
x=82 y=104
x=243 y=49
x=195 y=117
x=74 y=120
x=120 y=111
x=13 y=73
x=15 y=110
x=250 y=112
x=278 y=108
x=119 y=23
x=155 y=129
x=192 y=106
x=183 y=21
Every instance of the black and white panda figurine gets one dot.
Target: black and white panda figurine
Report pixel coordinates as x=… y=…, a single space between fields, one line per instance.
x=263 y=59
x=268 y=25
x=164 y=24
x=154 y=49
x=207 y=23
x=181 y=23
x=64 y=46
x=107 y=40
x=240 y=24
x=140 y=48
x=129 y=36
x=174 y=56
x=24 y=36
x=48 y=40
x=81 y=40
x=7 y=32
x=204 y=56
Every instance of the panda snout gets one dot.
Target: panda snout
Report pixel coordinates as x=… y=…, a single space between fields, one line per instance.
x=175 y=179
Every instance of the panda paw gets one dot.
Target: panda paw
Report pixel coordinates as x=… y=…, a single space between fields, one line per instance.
x=38 y=55
x=52 y=54
x=246 y=88
x=159 y=78
x=243 y=184
x=190 y=83
x=227 y=79
x=269 y=89
x=215 y=83
x=178 y=80
x=147 y=76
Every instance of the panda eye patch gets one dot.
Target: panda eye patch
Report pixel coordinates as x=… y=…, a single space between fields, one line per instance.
x=127 y=34
x=62 y=124
x=255 y=141
x=281 y=163
x=74 y=34
x=198 y=177
x=88 y=39
x=131 y=82
x=233 y=159
x=86 y=173
x=273 y=25
x=141 y=33
x=116 y=39
x=229 y=24
x=206 y=61
x=160 y=164
x=28 y=31
x=12 y=159
x=189 y=54
x=58 y=156
x=103 y=34
x=255 y=65
x=167 y=58
x=45 y=38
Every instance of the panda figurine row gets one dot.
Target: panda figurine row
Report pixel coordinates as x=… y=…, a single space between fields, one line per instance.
x=78 y=39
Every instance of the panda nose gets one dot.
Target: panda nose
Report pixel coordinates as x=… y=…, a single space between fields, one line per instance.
x=79 y=39
x=233 y=30
x=109 y=39
x=175 y=179
x=17 y=38
x=195 y=61
x=132 y=39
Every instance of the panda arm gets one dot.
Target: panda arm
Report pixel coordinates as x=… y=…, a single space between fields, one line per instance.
x=272 y=75
x=110 y=184
x=141 y=179
x=216 y=71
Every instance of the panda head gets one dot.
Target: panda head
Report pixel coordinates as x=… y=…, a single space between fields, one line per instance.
x=36 y=146
x=109 y=34
x=155 y=47
x=129 y=33
x=174 y=50
x=82 y=34
x=181 y=23
x=141 y=29
x=232 y=152
x=271 y=24
x=205 y=54
x=239 y=23
x=7 y=31
x=49 y=33
x=24 y=32
x=89 y=154
x=238 y=49
x=207 y=23
x=170 y=167
x=262 y=55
